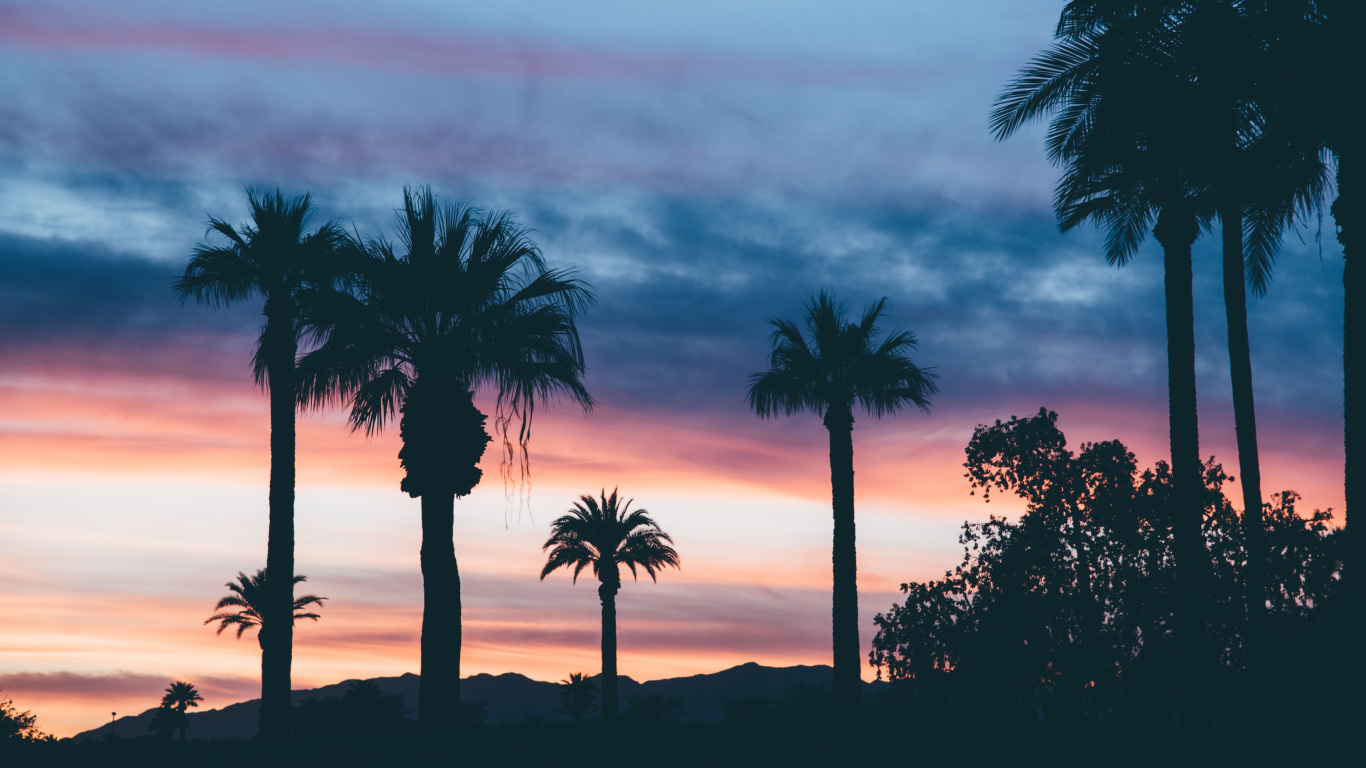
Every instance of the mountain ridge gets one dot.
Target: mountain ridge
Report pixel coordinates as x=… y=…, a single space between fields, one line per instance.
x=508 y=696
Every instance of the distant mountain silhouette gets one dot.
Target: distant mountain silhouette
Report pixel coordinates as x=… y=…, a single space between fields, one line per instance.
x=510 y=697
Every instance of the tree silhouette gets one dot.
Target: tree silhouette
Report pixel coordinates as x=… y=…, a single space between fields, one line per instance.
x=840 y=364
x=280 y=258
x=248 y=595
x=167 y=721
x=578 y=697
x=18 y=726
x=606 y=536
x=471 y=304
x=1120 y=88
x=180 y=696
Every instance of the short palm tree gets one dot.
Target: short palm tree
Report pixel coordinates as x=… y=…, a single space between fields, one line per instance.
x=247 y=597
x=179 y=697
x=470 y=305
x=578 y=697
x=837 y=365
x=283 y=259
x=605 y=536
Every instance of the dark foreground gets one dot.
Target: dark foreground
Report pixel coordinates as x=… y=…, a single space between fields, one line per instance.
x=669 y=744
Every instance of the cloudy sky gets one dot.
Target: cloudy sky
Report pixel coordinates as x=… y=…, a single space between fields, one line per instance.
x=705 y=166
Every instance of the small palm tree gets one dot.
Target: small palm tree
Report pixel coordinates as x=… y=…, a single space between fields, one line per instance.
x=247 y=597
x=178 y=698
x=578 y=697
x=280 y=258
x=606 y=536
x=838 y=365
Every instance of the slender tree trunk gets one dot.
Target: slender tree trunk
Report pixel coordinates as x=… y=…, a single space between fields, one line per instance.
x=848 y=683
x=1176 y=230
x=277 y=626
x=607 y=592
x=1245 y=423
x=438 y=689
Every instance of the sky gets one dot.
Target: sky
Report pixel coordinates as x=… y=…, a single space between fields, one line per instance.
x=705 y=166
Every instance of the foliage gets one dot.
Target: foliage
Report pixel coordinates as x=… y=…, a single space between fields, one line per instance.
x=168 y=721
x=837 y=364
x=607 y=535
x=363 y=713
x=471 y=304
x=1074 y=598
x=248 y=596
x=654 y=708
x=19 y=726
x=578 y=697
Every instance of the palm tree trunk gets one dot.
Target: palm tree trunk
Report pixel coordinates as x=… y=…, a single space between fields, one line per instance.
x=277 y=626
x=607 y=592
x=438 y=689
x=1245 y=424
x=1347 y=214
x=844 y=560
x=1176 y=230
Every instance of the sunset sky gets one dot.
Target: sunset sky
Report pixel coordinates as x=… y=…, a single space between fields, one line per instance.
x=705 y=166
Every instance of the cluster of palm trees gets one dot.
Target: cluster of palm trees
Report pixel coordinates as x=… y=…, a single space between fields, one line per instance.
x=471 y=304
x=1174 y=116
x=467 y=304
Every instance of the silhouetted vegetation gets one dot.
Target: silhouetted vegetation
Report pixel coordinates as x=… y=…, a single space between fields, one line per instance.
x=281 y=259
x=826 y=371
x=1067 y=614
x=16 y=726
x=606 y=536
x=471 y=304
x=248 y=595
x=578 y=697
x=363 y=713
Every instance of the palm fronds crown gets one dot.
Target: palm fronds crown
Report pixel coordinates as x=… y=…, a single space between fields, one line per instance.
x=470 y=301
x=179 y=696
x=278 y=256
x=838 y=363
x=248 y=595
x=604 y=534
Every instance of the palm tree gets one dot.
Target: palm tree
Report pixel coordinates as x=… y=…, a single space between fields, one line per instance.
x=283 y=260
x=248 y=594
x=838 y=365
x=578 y=697
x=470 y=305
x=1127 y=163
x=179 y=697
x=606 y=536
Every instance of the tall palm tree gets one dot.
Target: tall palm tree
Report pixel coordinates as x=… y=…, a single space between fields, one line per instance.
x=606 y=536
x=248 y=595
x=838 y=365
x=179 y=697
x=470 y=305
x=280 y=257
x=1119 y=86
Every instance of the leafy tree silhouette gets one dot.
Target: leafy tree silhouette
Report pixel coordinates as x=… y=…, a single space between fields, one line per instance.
x=248 y=595
x=282 y=259
x=471 y=304
x=16 y=726
x=363 y=713
x=578 y=697
x=606 y=536
x=840 y=364
x=167 y=721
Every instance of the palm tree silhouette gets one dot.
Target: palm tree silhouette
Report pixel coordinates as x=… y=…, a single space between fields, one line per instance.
x=578 y=697
x=278 y=258
x=1127 y=162
x=606 y=536
x=471 y=304
x=838 y=365
x=179 y=697
x=247 y=597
